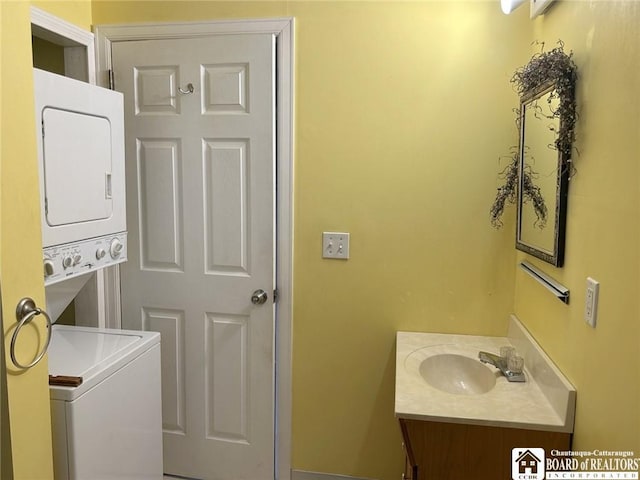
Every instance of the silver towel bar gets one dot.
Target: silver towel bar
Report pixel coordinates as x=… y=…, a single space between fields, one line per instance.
x=560 y=291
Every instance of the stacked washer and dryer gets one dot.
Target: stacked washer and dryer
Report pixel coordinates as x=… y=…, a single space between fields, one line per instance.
x=105 y=383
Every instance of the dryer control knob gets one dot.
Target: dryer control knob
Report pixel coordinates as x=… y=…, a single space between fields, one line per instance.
x=77 y=259
x=100 y=253
x=67 y=262
x=116 y=248
x=48 y=267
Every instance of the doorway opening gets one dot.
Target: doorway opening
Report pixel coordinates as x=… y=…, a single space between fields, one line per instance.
x=282 y=29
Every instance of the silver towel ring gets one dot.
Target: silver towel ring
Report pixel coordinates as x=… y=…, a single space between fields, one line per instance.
x=25 y=312
x=188 y=91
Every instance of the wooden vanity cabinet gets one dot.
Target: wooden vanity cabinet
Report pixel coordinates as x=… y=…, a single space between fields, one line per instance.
x=454 y=451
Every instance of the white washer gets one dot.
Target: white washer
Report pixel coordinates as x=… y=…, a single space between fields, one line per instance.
x=110 y=426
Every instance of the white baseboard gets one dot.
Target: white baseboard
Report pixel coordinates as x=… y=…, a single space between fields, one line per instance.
x=302 y=475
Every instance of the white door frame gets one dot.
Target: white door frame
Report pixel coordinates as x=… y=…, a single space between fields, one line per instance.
x=283 y=29
x=78 y=44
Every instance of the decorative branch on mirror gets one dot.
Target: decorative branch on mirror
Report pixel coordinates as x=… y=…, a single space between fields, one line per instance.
x=542 y=163
x=507 y=193
x=554 y=68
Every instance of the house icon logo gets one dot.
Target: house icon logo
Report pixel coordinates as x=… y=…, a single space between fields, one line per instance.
x=527 y=464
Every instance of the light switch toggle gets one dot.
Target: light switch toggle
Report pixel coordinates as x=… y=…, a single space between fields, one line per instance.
x=335 y=245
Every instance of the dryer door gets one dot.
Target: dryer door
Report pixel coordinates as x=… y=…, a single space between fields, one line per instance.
x=77 y=167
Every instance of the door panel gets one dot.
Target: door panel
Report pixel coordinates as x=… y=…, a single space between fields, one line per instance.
x=200 y=120
x=160 y=204
x=226 y=184
x=170 y=324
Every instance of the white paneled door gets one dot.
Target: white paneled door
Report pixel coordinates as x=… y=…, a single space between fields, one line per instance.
x=200 y=146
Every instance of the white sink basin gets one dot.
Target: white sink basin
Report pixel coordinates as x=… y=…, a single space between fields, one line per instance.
x=456 y=373
x=440 y=378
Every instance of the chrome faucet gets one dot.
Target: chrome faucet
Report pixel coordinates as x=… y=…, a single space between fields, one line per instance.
x=501 y=364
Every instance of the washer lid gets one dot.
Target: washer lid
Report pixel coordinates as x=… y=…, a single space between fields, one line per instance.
x=93 y=354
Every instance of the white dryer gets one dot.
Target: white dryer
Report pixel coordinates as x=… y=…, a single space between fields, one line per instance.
x=80 y=144
x=110 y=425
x=80 y=140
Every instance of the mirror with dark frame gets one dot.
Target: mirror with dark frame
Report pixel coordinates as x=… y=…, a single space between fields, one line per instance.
x=542 y=178
x=546 y=121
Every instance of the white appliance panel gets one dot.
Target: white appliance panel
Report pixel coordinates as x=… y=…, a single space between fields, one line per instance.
x=81 y=158
x=77 y=165
x=115 y=429
x=59 y=434
x=110 y=426
x=68 y=261
x=93 y=354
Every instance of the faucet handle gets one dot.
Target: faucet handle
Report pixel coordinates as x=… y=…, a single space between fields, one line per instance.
x=507 y=351
x=515 y=364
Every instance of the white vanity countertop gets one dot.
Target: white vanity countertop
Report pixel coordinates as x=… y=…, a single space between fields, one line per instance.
x=546 y=401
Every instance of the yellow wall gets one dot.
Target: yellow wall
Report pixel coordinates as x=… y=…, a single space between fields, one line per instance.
x=603 y=236
x=20 y=247
x=20 y=239
x=77 y=12
x=402 y=110
x=396 y=147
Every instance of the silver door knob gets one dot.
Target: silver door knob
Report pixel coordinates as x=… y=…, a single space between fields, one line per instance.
x=259 y=297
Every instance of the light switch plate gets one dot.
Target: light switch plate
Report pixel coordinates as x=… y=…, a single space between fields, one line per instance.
x=335 y=245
